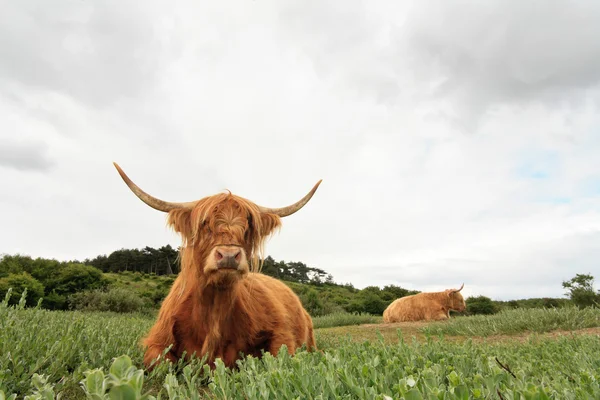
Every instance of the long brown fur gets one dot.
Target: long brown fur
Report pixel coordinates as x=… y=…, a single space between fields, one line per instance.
x=222 y=313
x=429 y=306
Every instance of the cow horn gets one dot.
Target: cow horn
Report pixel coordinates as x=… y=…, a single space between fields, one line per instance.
x=153 y=202
x=461 y=288
x=289 y=210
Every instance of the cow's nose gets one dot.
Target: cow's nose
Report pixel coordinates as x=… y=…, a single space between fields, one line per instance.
x=228 y=258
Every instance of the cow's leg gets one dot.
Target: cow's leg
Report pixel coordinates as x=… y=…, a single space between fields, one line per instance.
x=278 y=341
x=440 y=316
x=159 y=338
x=311 y=343
x=230 y=355
x=152 y=355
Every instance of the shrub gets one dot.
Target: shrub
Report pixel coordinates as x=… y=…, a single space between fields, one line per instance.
x=373 y=304
x=76 y=278
x=311 y=302
x=480 y=305
x=18 y=283
x=116 y=300
x=54 y=301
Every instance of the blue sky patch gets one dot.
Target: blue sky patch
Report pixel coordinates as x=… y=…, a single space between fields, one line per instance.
x=537 y=164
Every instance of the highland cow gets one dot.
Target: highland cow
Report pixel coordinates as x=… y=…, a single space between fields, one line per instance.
x=220 y=305
x=432 y=306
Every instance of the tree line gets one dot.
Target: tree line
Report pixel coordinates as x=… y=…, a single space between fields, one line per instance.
x=146 y=275
x=165 y=261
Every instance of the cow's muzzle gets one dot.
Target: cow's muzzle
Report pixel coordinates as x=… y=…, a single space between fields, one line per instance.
x=228 y=257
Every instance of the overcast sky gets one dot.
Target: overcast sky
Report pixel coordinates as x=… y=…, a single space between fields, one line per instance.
x=458 y=141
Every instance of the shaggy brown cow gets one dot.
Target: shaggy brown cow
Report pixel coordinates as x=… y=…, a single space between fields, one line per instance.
x=220 y=305
x=432 y=306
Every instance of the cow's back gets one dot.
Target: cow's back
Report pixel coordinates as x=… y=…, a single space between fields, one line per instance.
x=408 y=308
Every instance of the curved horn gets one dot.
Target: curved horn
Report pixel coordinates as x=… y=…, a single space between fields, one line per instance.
x=153 y=202
x=289 y=210
x=461 y=288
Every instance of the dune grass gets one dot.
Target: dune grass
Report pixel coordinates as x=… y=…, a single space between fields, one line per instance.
x=510 y=322
x=344 y=319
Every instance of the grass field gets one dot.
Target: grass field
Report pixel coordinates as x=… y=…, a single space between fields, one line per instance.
x=533 y=354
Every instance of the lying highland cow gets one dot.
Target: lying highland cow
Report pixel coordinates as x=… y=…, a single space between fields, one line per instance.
x=432 y=306
x=219 y=305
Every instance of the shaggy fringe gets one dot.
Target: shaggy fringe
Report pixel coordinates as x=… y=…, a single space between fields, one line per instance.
x=224 y=215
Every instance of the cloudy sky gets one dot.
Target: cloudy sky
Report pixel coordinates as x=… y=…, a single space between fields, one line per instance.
x=458 y=141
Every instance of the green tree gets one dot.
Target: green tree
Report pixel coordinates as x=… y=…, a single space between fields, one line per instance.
x=581 y=291
x=480 y=305
x=18 y=283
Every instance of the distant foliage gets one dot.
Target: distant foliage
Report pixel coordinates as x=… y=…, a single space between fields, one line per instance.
x=581 y=291
x=161 y=261
x=149 y=274
x=372 y=303
x=20 y=283
x=58 y=280
x=115 y=300
x=542 y=302
x=76 y=278
x=480 y=305
x=312 y=303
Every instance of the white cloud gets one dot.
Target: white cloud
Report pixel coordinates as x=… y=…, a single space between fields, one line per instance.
x=456 y=141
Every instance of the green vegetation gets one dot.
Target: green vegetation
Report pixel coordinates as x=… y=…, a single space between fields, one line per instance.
x=116 y=300
x=93 y=350
x=344 y=319
x=19 y=283
x=88 y=286
x=74 y=353
x=53 y=280
x=481 y=305
x=148 y=273
x=509 y=322
x=581 y=291
x=62 y=343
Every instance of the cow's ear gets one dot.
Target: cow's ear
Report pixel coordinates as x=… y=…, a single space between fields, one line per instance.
x=268 y=223
x=180 y=222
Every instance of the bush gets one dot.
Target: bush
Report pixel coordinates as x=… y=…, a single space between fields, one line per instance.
x=153 y=296
x=116 y=300
x=18 y=283
x=373 y=304
x=76 y=278
x=311 y=302
x=54 y=301
x=480 y=305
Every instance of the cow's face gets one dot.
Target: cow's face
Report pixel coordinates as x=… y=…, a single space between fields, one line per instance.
x=456 y=300
x=225 y=235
